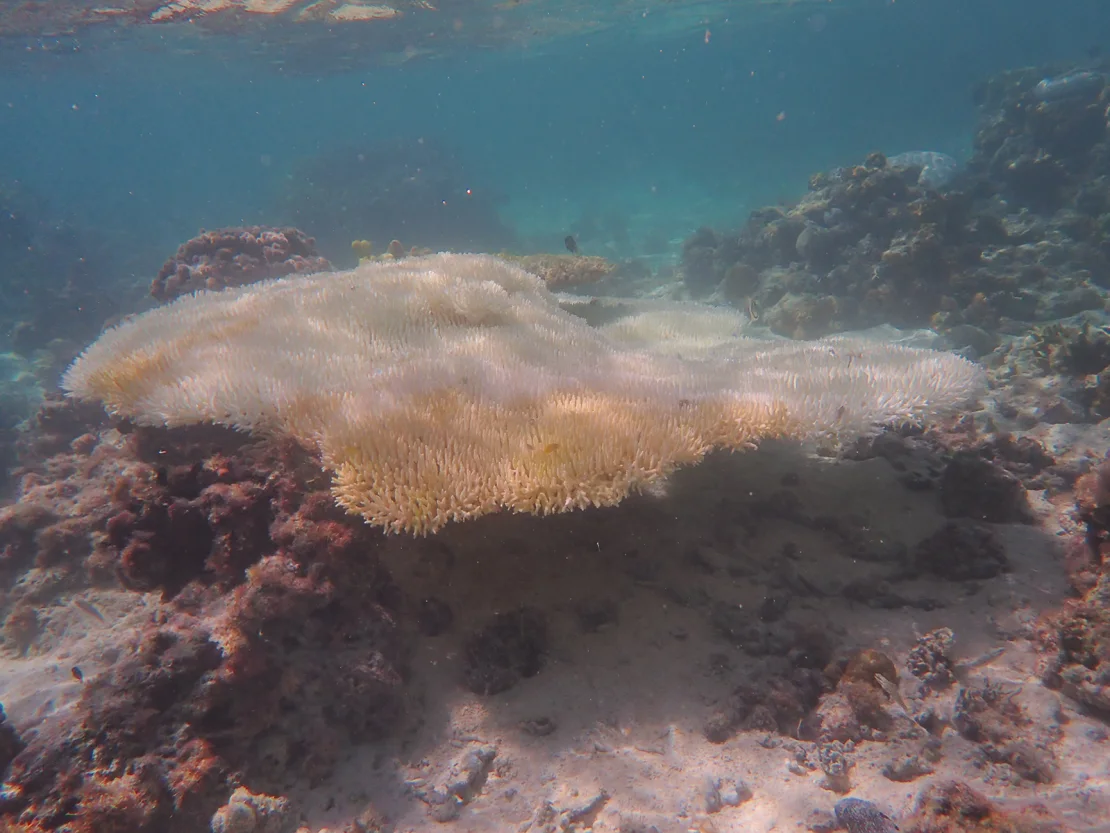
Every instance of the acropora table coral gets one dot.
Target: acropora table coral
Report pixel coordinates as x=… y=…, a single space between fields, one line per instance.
x=448 y=387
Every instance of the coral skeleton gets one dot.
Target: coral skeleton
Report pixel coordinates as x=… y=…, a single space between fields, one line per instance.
x=447 y=387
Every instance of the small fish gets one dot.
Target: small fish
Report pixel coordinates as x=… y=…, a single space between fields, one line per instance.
x=86 y=607
x=571 y=244
x=891 y=689
x=77 y=674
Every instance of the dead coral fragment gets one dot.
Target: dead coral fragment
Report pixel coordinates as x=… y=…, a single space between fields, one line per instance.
x=247 y=812
x=931 y=660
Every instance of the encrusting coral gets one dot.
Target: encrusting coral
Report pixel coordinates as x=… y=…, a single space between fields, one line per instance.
x=236 y=256
x=448 y=387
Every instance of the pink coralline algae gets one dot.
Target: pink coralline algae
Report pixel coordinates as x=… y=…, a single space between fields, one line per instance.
x=236 y=256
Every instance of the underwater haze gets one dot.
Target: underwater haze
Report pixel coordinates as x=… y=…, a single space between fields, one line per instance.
x=150 y=134
x=637 y=416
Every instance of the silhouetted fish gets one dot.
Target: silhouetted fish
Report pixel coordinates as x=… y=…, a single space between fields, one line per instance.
x=571 y=244
x=1075 y=84
x=86 y=607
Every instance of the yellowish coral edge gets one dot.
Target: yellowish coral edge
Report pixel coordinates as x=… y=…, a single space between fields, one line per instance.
x=572 y=451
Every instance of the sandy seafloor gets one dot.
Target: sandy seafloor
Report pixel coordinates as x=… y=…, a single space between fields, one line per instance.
x=609 y=734
x=630 y=700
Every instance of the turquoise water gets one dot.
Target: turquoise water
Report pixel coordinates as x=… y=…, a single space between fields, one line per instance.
x=635 y=134
x=213 y=629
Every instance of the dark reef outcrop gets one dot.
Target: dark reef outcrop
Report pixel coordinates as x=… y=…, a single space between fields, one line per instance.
x=1020 y=235
x=275 y=647
x=236 y=256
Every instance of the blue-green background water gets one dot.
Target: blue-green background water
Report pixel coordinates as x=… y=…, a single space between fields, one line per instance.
x=146 y=138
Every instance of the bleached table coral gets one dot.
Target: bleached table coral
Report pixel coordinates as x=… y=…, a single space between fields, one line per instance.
x=447 y=387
